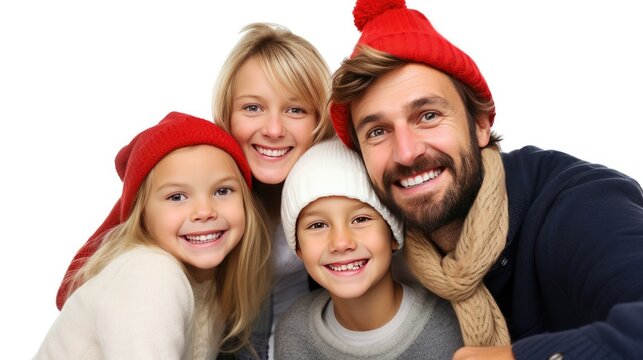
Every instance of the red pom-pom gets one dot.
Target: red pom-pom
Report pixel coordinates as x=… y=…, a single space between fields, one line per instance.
x=366 y=10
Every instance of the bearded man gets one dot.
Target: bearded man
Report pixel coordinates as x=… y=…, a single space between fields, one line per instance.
x=540 y=253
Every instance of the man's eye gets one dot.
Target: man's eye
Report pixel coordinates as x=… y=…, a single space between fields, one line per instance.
x=429 y=116
x=375 y=132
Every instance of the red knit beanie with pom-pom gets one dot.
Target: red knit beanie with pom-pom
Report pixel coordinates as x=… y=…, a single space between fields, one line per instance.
x=135 y=161
x=389 y=26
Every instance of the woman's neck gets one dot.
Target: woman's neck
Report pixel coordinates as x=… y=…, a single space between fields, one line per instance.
x=373 y=309
x=270 y=197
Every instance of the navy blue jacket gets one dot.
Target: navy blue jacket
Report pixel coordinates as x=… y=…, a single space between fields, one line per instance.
x=570 y=279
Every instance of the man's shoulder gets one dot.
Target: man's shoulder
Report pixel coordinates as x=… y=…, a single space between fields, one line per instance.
x=552 y=161
x=530 y=155
x=537 y=169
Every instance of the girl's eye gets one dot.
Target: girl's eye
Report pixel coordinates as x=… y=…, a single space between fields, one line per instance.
x=361 y=219
x=316 y=225
x=375 y=132
x=224 y=191
x=176 y=197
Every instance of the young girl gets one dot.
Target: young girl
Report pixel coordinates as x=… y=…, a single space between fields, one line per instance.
x=180 y=266
x=345 y=236
x=271 y=95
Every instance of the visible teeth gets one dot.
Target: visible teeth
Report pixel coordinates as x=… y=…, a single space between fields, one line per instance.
x=419 y=179
x=200 y=239
x=272 y=152
x=350 y=266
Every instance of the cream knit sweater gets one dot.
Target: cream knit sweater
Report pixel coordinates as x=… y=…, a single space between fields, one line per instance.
x=141 y=306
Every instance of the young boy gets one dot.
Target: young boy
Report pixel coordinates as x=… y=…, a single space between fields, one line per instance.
x=346 y=238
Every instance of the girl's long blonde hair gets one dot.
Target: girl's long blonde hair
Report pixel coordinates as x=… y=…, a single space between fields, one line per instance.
x=242 y=280
x=289 y=61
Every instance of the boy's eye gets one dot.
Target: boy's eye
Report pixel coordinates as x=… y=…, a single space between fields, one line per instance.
x=316 y=225
x=361 y=219
x=176 y=197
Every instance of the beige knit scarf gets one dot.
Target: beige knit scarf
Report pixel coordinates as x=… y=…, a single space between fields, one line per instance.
x=458 y=275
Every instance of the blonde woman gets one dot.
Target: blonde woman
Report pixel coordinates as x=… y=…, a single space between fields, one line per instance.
x=271 y=95
x=180 y=267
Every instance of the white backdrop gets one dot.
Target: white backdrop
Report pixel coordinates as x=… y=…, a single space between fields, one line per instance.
x=78 y=79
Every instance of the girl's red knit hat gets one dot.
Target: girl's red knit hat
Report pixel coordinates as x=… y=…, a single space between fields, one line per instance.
x=389 y=26
x=138 y=158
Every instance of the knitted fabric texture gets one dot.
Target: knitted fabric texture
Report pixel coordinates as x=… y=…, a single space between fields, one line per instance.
x=329 y=169
x=458 y=275
x=135 y=160
x=389 y=26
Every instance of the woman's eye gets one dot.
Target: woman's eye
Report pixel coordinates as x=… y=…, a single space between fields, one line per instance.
x=252 y=108
x=296 y=110
x=176 y=197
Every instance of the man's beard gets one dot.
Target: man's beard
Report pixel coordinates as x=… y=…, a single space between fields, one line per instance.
x=427 y=216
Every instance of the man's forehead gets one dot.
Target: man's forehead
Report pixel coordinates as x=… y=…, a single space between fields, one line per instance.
x=406 y=82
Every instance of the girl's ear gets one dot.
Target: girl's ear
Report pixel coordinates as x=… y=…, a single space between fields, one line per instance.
x=298 y=250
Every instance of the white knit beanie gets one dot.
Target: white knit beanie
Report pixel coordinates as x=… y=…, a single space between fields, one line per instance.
x=329 y=168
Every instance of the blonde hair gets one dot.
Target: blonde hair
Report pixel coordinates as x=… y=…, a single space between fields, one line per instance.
x=288 y=60
x=242 y=279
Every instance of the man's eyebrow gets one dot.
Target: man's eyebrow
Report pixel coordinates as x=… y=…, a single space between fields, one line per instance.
x=363 y=122
x=428 y=100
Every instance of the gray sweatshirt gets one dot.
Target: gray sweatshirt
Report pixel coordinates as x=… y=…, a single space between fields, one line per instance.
x=429 y=331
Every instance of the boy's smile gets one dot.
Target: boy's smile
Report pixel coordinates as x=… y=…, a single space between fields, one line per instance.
x=345 y=245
